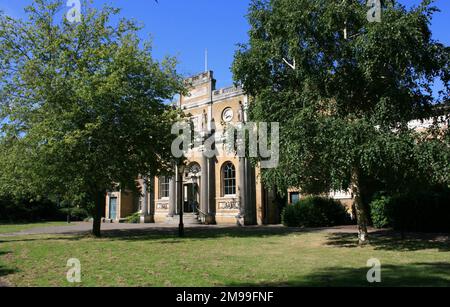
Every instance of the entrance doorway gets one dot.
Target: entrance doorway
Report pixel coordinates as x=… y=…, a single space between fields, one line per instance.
x=192 y=198
x=113 y=208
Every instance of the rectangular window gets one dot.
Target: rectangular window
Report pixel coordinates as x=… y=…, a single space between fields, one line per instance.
x=230 y=186
x=164 y=187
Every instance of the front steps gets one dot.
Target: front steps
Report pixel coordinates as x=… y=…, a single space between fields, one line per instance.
x=188 y=219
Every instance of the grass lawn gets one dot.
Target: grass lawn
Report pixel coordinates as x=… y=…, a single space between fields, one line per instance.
x=10 y=228
x=223 y=257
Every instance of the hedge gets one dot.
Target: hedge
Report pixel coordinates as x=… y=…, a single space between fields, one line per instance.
x=423 y=211
x=315 y=212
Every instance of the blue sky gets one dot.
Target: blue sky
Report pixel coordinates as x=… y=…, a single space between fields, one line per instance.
x=185 y=28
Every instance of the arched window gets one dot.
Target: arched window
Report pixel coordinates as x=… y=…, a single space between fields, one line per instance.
x=164 y=186
x=229 y=179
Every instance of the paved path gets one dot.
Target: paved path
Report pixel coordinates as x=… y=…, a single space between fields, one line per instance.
x=84 y=228
x=81 y=228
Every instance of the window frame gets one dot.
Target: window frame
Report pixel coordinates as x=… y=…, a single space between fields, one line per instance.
x=229 y=182
x=164 y=187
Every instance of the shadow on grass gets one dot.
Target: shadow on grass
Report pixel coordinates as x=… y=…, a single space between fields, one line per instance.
x=380 y=240
x=168 y=235
x=392 y=241
x=412 y=275
x=4 y=271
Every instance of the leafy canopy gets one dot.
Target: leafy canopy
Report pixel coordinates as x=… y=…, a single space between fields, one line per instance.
x=82 y=104
x=345 y=107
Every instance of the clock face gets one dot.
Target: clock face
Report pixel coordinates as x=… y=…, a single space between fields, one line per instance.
x=194 y=169
x=227 y=115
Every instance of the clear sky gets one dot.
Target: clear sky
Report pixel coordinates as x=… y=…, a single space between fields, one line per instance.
x=185 y=28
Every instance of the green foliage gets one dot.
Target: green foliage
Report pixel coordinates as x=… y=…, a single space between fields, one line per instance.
x=315 y=212
x=84 y=104
x=135 y=218
x=420 y=211
x=381 y=213
x=345 y=108
x=76 y=213
x=28 y=210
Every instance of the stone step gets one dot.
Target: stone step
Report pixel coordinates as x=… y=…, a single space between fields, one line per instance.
x=188 y=219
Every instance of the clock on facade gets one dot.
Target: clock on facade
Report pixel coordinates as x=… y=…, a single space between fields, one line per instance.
x=194 y=169
x=227 y=115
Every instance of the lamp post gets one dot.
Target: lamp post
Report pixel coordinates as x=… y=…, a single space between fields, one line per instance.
x=181 y=168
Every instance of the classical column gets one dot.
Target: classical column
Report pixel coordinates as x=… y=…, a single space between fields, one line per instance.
x=172 y=197
x=250 y=191
x=144 y=200
x=212 y=176
x=211 y=219
x=151 y=201
x=147 y=215
x=145 y=192
x=242 y=188
x=204 y=197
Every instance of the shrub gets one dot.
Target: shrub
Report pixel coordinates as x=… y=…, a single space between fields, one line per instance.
x=315 y=212
x=422 y=211
x=28 y=210
x=79 y=214
x=134 y=218
x=381 y=212
x=76 y=213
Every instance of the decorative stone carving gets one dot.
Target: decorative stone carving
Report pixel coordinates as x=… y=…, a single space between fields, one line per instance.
x=230 y=204
x=204 y=120
x=162 y=206
x=241 y=113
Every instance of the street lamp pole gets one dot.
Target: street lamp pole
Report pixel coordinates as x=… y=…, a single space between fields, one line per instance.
x=181 y=200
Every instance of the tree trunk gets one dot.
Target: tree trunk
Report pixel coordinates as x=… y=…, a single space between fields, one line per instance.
x=360 y=207
x=99 y=205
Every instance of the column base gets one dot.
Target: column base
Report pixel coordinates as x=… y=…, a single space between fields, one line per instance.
x=240 y=221
x=148 y=219
x=210 y=219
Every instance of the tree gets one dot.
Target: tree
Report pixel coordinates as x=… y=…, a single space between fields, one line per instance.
x=345 y=105
x=83 y=104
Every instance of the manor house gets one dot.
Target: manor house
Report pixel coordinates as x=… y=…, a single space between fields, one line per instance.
x=225 y=189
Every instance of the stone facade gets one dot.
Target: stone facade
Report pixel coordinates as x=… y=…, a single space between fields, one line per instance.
x=201 y=190
x=225 y=189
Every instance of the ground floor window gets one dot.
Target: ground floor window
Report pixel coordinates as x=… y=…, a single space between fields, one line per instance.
x=229 y=179
x=164 y=187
